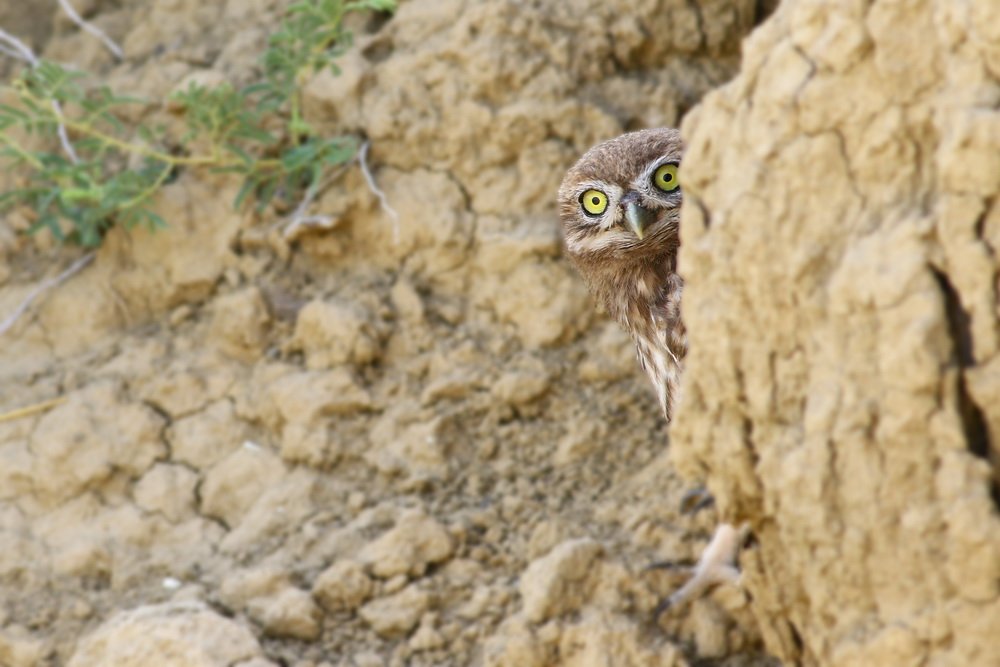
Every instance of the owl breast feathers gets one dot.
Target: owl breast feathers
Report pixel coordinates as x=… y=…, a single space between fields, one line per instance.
x=620 y=212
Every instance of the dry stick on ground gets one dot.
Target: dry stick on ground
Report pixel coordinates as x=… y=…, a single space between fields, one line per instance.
x=73 y=269
x=31 y=410
x=75 y=17
x=298 y=220
x=373 y=186
x=15 y=48
x=111 y=46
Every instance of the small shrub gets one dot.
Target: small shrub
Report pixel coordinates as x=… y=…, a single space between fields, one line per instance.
x=96 y=172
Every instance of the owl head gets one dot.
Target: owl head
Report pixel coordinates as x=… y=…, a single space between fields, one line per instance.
x=620 y=204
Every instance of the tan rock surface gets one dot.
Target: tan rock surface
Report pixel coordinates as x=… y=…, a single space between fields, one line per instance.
x=343 y=585
x=843 y=312
x=414 y=543
x=169 y=635
x=561 y=581
x=234 y=484
x=289 y=613
x=88 y=439
x=331 y=333
x=239 y=324
x=19 y=649
x=397 y=614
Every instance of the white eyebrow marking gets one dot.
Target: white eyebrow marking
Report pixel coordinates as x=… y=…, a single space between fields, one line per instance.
x=644 y=180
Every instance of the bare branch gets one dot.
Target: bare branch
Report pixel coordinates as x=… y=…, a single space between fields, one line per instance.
x=17 y=49
x=299 y=221
x=63 y=134
x=73 y=269
x=91 y=28
x=299 y=225
x=373 y=186
x=9 y=52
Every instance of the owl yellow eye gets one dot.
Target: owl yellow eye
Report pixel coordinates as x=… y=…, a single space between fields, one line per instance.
x=665 y=177
x=594 y=202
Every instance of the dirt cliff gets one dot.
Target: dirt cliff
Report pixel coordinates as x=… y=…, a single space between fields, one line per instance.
x=414 y=441
x=842 y=394
x=406 y=441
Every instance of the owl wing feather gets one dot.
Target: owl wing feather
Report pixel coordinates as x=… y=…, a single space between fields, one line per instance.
x=661 y=342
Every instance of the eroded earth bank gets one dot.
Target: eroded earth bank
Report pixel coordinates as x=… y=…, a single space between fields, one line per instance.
x=395 y=442
x=843 y=394
x=414 y=441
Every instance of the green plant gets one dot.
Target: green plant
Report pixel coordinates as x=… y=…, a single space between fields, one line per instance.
x=94 y=171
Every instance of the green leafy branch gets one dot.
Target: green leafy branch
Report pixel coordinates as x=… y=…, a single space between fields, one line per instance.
x=94 y=171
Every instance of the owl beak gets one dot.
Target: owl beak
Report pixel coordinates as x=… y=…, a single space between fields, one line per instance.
x=638 y=216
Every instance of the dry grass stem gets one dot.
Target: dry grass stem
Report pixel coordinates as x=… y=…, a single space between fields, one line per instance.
x=73 y=269
x=30 y=410
x=91 y=28
x=373 y=186
x=15 y=48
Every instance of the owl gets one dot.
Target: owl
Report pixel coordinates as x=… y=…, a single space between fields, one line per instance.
x=620 y=209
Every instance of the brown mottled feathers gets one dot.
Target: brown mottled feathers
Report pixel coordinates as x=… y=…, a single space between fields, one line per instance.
x=633 y=274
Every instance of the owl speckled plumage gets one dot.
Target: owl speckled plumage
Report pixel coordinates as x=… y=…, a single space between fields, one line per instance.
x=620 y=211
x=620 y=207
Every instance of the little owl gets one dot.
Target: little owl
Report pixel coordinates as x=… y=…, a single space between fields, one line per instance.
x=620 y=209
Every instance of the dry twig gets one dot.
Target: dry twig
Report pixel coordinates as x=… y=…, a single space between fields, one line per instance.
x=30 y=410
x=73 y=269
x=373 y=186
x=299 y=220
x=91 y=28
x=15 y=48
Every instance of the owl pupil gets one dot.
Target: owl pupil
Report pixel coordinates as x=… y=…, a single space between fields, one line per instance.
x=667 y=178
x=595 y=201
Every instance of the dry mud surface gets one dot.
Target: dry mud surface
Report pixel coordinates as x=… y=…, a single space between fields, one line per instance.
x=842 y=394
x=409 y=442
